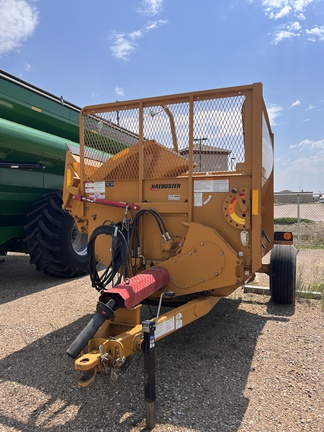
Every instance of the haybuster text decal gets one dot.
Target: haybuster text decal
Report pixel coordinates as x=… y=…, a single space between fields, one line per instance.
x=158 y=186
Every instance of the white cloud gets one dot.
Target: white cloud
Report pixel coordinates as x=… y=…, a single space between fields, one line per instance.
x=291 y=31
x=124 y=44
x=310 y=107
x=303 y=173
x=309 y=145
x=285 y=7
x=119 y=91
x=150 y=7
x=290 y=14
x=301 y=5
x=27 y=67
x=274 y=111
x=303 y=168
x=316 y=33
x=295 y=104
x=294 y=26
x=281 y=14
x=19 y=19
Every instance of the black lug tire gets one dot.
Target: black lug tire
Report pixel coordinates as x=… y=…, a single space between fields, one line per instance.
x=49 y=242
x=283 y=274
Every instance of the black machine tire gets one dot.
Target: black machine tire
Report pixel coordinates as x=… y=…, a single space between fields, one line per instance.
x=53 y=242
x=283 y=274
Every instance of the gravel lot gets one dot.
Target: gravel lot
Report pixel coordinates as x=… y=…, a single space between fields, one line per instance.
x=249 y=365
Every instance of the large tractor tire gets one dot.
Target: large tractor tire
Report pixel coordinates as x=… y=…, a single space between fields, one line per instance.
x=283 y=274
x=53 y=241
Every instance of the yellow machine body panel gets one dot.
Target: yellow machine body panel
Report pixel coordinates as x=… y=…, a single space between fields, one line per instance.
x=176 y=195
x=183 y=185
x=203 y=161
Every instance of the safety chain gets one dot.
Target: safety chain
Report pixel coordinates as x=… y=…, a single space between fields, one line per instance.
x=105 y=359
x=116 y=368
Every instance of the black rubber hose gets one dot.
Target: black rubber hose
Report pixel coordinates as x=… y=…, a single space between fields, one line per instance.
x=155 y=214
x=159 y=221
x=104 y=312
x=119 y=263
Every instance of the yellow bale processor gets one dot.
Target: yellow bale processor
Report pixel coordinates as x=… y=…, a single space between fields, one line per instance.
x=176 y=195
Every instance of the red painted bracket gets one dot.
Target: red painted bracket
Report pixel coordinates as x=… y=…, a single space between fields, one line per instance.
x=140 y=287
x=120 y=204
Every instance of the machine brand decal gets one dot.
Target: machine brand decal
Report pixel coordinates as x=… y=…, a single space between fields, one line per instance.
x=158 y=186
x=109 y=184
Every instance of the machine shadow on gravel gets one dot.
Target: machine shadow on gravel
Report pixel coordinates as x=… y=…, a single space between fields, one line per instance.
x=202 y=372
x=280 y=309
x=276 y=309
x=19 y=278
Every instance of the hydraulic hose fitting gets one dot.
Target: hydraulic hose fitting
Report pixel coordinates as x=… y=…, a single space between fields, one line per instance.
x=106 y=309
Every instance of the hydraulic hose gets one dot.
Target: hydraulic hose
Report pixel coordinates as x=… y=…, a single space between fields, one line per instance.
x=161 y=225
x=119 y=260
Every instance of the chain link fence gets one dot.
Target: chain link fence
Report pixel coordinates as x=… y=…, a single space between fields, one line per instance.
x=305 y=220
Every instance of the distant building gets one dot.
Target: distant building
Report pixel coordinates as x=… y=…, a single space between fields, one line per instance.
x=289 y=197
x=208 y=158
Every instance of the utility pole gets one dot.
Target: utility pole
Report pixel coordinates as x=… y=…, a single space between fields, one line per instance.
x=199 y=140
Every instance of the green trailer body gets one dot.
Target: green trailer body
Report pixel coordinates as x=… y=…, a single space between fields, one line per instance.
x=31 y=106
x=36 y=129
x=20 y=188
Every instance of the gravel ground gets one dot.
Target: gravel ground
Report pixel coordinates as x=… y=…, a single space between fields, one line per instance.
x=249 y=365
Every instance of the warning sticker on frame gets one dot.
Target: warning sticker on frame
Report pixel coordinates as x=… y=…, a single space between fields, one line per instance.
x=198 y=199
x=211 y=185
x=174 y=197
x=94 y=188
x=164 y=327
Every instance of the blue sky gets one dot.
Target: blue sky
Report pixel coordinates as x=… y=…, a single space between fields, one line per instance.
x=102 y=50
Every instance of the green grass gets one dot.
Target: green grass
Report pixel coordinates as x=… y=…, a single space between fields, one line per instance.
x=291 y=221
x=309 y=287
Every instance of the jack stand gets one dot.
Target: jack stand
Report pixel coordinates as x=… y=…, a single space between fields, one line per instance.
x=148 y=347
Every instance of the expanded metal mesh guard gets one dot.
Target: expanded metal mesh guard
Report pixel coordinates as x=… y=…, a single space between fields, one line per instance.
x=211 y=128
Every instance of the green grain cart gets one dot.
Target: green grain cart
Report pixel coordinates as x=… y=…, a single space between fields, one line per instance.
x=35 y=130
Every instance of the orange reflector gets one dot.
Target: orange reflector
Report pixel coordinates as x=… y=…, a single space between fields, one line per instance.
x=36 y=109
x=287 y=236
